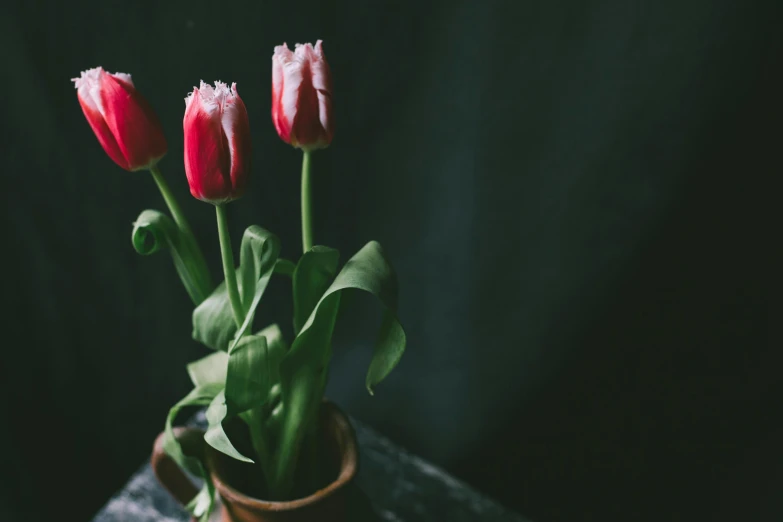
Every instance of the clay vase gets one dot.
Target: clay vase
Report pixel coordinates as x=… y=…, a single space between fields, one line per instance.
x=325 y=505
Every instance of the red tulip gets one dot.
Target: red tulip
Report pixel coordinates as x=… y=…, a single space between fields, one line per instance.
x=217 y=143
x=302 y=96
x=126 y=126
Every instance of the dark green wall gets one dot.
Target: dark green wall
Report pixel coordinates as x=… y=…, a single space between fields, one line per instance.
x=578 y=198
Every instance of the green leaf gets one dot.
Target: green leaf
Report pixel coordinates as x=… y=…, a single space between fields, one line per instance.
x=199 y=396
x=389 y=348
x=369 y=271
x=257 y=259
x=213 y=320
x=270 y=254
x=247 y=383
x=301 y=404
x=154 y=231
x=284 y=267
x=313 y=274
x=209 y=370
x=303 y=369
x=201 y=505
x=276 y=350
x=215 y=436
x=247 y=386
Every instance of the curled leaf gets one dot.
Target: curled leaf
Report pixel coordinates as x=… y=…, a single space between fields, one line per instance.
x=154 y=231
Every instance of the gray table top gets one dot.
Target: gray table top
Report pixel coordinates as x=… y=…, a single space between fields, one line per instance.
x=400 y=487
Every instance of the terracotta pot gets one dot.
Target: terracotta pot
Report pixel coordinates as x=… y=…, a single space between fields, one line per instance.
x=325 y=505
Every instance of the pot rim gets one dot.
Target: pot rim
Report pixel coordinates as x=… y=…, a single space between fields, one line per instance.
x=348 y=468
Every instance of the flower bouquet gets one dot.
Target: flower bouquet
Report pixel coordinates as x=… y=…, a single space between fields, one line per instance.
x=273 y=445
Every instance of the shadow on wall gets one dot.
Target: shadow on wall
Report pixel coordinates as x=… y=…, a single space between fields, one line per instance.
x=670 y=412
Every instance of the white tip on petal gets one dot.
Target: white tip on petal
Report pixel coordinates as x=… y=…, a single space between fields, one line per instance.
x=213 y=98
x=304 y=51
x=319 y=49
x=284 y=54
x=189 y=97
x=125 y=77
x=88 y=85
x=88 y=77
x=280 y=49
x=230 y=115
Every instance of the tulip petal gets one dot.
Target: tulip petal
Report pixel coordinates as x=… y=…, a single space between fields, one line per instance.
x=236 y=128
x=302 y=95
x=282 y=126
x=288 y=68
x=322 y=82
x=126 y=127
x=101 y=130
x=132 y=121
x=307 y=125
x=207 y=153
x=125 y=77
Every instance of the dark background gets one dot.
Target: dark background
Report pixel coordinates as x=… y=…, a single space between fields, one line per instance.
x=579 y=199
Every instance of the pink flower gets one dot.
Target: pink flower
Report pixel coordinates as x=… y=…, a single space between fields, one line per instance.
x=126 y=127
x=302 y=96
x=217 y=143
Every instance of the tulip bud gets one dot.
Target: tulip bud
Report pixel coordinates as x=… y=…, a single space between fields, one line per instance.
x=302 y=96
x=126 y=126
x=217 y=143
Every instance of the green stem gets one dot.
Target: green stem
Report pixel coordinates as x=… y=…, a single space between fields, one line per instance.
x=171 y=201
x=307 y=229
x=228 y=266
x=202 y=276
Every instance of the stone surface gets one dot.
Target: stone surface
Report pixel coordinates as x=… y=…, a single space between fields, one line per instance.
x=400 y=487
